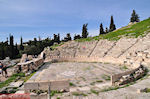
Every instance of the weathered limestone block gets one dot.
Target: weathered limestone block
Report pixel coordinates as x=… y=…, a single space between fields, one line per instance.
x=40 y=96
x=60 y=85
x=29 y=86
x=44 y=85
x=23 y=58
x=30 y=57
x=148 y=56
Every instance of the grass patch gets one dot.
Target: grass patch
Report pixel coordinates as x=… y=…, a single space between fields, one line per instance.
x=28 y=77
x=134 y=31
x=106 y=77
x=116 y=87
x=72 y=84
x=94 y=91
x=124 y=67
x=106 y=63
x=11 y=79
x=79 y=94
x=110 y=88
x=98 y=81
x=56 y=45
x=147 y=90
x=54 y=92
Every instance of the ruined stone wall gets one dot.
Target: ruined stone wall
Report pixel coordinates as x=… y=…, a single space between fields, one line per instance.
x=29 y=66
x=129 y=76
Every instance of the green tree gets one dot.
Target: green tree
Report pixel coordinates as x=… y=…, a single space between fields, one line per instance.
x=67 y=38
x=35 y=42
x=21 y=44
x=16 y=51
x=85 y=31
x=2 y=51
x=101 y=30
x=58 y=38
x=11 y=46
x=31 y=50
x=112 y=26
x=134 y=17
x=77 y=37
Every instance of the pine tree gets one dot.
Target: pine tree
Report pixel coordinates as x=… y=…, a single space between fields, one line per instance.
x=134 y=17
x=101 y=29
x=84 y=31
x=112 y=26
x=21 y=44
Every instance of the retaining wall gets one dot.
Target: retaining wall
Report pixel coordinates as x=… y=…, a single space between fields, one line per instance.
x=62 y=85
x=85 y=59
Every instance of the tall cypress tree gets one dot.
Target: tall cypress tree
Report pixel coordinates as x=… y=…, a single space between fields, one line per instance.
x=134 y=17
x=16 y=50
x=21 y=44
x=85 y=31
x=112 y=26
x=11 y=46
x=35 y=42
x=2 y=51
x=58 y=38
x=101 y=30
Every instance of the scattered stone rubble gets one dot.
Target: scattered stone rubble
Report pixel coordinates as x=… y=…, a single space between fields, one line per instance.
x=136 y=58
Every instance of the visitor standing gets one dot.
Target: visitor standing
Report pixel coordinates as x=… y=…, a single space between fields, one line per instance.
x=4 y=69
x=1 y=66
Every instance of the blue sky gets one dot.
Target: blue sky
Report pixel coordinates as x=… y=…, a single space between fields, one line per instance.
x=33 y=18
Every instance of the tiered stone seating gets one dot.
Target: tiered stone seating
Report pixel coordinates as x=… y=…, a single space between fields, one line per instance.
x=68 y=49
x=102 y=48
x=85 y=48
x=121 y=47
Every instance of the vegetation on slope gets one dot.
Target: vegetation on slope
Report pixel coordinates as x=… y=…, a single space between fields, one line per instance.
x=135 y=30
